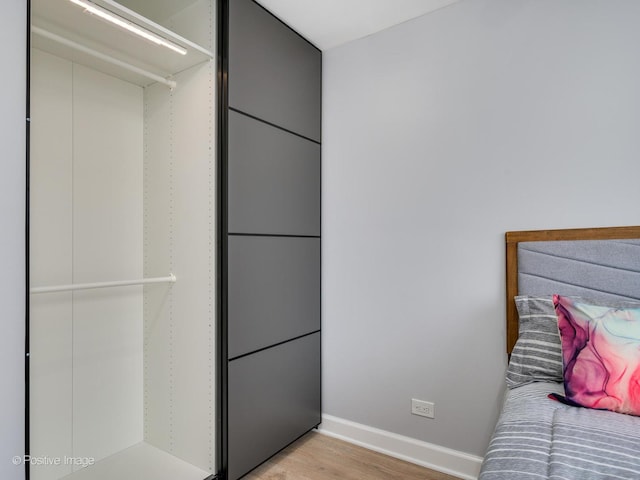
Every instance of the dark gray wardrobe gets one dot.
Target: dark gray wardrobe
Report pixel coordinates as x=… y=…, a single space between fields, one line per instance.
x=270 y=235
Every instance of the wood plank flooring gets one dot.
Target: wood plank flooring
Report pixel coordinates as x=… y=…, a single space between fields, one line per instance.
x=319 y=457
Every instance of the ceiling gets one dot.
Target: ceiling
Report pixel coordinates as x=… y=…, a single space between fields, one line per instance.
x=325 y=23
x=329 y=23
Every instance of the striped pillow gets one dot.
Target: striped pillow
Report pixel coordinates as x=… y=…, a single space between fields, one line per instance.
x=537 y=355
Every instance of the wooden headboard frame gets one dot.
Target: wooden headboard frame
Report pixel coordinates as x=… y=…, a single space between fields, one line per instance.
x=513 y=238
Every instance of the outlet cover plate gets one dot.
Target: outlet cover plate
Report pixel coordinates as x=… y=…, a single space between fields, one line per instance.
x=422 y=408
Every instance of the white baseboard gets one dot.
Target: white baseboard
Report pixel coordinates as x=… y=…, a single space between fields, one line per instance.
x=435 y=457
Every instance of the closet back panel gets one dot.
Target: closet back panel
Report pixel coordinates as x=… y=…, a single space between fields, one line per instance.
x=51 y=260
x=91 y=124
x=107 y=244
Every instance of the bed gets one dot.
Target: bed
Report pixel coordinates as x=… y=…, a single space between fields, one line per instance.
x=544 y=430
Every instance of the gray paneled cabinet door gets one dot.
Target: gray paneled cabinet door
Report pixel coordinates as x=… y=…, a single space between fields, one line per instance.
x=273 y=237
x=274 y=291
x=274 y=180
x=274 y=74
x=276 y=398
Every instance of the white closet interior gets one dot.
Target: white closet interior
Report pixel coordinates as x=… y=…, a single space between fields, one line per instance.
x=122 y=231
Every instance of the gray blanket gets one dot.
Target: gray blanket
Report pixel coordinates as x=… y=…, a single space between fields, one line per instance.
x=539 y=438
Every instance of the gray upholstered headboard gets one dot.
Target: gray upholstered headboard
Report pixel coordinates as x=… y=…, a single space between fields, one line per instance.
x=596 y=269
x=600 y=264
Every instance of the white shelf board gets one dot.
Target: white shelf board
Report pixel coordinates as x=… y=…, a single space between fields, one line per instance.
x=141 y=461
x=65 y=19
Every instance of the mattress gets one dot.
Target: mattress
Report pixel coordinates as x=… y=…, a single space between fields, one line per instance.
x=540 y=438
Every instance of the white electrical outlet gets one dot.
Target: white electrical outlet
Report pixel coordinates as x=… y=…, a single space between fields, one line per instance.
x=422 y=408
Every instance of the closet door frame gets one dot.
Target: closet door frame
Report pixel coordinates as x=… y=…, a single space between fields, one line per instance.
x=27 y=439
x=27 y=390
x=221 y=402
x=222 y=424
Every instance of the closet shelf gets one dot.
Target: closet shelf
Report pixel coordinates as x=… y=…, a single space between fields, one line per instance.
x=141 y=461
x=117 y=283
x=60 y=27
x=101 y=56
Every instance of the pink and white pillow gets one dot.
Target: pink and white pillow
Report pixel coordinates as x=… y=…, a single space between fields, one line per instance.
x=600 y=354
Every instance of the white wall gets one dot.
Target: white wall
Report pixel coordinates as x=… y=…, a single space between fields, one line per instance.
x=439 y=135
x=12 y=220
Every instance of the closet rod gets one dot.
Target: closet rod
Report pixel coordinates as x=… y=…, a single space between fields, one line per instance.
x=94 y=53
x=86 y=286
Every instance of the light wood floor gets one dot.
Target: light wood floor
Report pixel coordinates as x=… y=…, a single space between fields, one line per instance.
x=319 y=457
